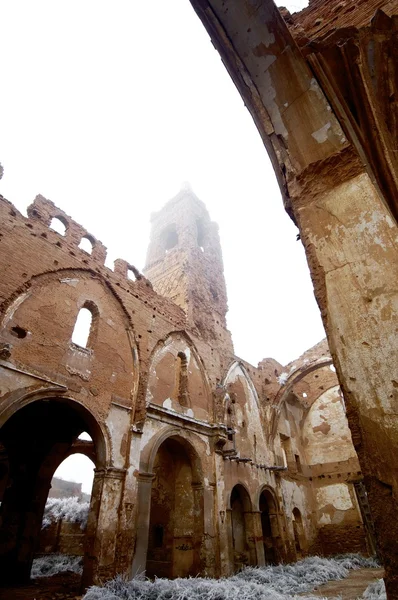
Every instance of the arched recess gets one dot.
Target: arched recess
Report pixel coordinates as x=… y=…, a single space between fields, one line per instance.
x=286 y=389
x=37 y=434
x=270 y=526
x=242 y=527
x=242 y=415
x=170 y=521
x=299 y=533
x=325 y=431
x=111 y=355
x=177 y=377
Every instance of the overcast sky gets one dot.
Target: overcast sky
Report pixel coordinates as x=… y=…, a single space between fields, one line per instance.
x=107 y=107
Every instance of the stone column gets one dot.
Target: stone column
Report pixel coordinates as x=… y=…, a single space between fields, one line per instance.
x=102 y=525
x=223 y=520
x=250 y=536
x=231 y=550
x=143 y=520
x=203 y=529
x=258 y=537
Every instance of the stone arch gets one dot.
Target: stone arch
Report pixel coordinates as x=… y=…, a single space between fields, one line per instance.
x=325 y=432
x=242 y=486
x=272 y=494
x=286 y=389
x=241 y=525
x=236 y=364
x=37 y=432
x=184 y=468
x=23 y=397
x=268 y=507
x=299 y=533
x=188 y=440
x=83 y=288
x=243 y=415
x=11 y=303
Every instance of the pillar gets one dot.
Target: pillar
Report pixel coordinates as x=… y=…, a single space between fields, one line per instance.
x=258 y=537
x=143 y=520
x=102 y=526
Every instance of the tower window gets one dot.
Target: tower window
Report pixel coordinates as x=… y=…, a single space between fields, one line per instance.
x=200 y=234
x=170 y=238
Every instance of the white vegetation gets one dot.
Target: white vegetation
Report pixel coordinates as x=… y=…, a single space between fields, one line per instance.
x=67 y=509
x=282 y=378
x=375 y=591
x=52 y=564
x=281 y=582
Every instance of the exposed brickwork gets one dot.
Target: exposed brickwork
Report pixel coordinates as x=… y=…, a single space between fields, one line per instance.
x=157 y=384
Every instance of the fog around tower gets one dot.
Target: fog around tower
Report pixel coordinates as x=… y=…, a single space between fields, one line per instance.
x=109 y=131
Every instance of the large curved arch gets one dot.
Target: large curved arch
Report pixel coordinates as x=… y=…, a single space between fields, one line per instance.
x=187 y=440
x=285 y=389
x=23 y=397
x=21 y=292
x=189 y=443
x=194 y=384
x=237 y=364
x=168 y=339
x=38 y=430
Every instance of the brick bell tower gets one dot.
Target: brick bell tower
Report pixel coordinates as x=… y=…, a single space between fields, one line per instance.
x=184 y=263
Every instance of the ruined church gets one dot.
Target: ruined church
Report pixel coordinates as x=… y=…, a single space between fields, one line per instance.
x=203 y=463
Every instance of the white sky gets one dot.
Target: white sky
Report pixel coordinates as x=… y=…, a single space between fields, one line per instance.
x=107 y=107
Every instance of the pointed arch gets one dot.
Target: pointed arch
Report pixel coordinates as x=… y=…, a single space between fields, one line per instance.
x=178 y=382
x=238 y=365
x=286 y=388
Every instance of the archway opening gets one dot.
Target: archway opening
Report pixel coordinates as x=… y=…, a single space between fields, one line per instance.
x=241 y=512
x=35 y=440
x=269 y=526
x=299 y=535
x=64 y=524
x=176 y=518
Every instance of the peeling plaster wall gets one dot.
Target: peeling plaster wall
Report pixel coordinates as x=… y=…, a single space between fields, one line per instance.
x=326 y=435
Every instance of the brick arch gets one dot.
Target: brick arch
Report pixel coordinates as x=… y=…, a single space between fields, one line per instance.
x=19 y=294
x=38 y=429
x=25 y=396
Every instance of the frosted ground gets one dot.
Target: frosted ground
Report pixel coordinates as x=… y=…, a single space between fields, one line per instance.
x=280 y=582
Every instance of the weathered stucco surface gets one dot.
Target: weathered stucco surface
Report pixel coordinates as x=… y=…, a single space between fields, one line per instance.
x=321 y=87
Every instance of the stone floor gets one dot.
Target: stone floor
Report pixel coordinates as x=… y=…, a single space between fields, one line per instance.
x=350 y=588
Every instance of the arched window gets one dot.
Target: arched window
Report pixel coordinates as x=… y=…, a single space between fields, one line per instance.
x=200 y=234
x=84 y=327
x=170 y=238
x=59 y=225
x=86 y=244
